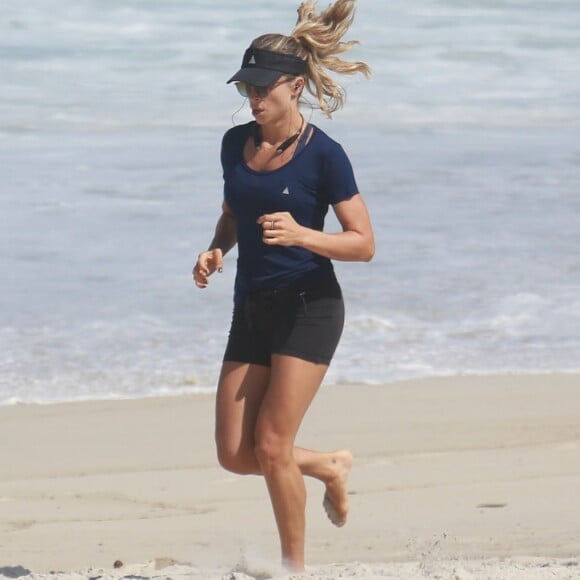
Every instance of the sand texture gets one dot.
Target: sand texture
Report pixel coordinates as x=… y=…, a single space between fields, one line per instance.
x=461 y=478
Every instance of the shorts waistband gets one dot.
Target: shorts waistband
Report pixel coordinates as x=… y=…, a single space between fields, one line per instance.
x=327 y=286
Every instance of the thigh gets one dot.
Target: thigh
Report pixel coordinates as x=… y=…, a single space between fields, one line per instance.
x=292 y=386
x=239 y=396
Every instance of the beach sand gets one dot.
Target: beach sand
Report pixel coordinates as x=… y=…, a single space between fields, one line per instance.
x=460 y=477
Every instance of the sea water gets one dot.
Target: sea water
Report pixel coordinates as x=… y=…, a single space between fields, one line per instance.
x=465 y=144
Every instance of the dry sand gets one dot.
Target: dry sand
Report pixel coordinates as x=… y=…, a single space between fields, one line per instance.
x=461 y=478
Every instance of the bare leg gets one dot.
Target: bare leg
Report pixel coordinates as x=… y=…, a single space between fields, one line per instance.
x=240 y=395
x=293 y=385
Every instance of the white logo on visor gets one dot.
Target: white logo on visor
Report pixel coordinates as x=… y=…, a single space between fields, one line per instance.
x=252 y=60
x=286 y=192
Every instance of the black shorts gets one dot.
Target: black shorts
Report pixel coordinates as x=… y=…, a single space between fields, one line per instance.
x=306 y=324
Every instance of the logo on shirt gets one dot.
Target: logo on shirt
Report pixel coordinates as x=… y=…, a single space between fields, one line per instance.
x=286 y=192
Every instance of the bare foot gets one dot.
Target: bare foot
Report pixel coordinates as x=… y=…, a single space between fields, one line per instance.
x=335 y=498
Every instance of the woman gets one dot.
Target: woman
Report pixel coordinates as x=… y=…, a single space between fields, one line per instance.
x=280 y=176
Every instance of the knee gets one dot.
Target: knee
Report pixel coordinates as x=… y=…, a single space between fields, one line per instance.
x=235 y=460
x=272 y=452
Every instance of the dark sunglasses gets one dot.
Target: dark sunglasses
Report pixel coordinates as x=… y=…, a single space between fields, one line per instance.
x=245 y=89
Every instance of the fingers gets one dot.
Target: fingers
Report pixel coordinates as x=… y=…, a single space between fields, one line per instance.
x=268 y=223
x=207 y=263
x=199 y=276
x=280 y=229
x=211 y=261
x=272 y=227
x=271 y=221
x=275 y=226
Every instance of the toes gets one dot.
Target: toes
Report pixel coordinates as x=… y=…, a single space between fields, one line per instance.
x=332 y=513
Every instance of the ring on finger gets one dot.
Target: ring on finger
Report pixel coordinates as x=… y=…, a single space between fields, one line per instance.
x=272 y=225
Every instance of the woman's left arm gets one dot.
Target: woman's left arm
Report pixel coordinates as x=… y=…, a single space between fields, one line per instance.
x=355 y=243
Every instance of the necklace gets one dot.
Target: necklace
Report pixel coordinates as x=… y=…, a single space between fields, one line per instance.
x=257 y=135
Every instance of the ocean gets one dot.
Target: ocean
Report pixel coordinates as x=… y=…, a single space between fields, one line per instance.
x=465 y=144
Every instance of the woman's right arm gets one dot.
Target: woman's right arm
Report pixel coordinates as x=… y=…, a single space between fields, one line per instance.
x=223 y=241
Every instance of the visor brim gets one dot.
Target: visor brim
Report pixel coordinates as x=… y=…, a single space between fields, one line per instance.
x=259 y=77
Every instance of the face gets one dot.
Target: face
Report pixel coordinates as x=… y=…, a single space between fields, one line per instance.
x=248 y=90
x=272 y=102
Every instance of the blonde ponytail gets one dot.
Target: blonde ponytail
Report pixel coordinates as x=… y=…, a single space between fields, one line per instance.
x=317 y=38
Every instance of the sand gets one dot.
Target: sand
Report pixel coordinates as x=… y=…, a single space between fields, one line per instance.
x=460 y=477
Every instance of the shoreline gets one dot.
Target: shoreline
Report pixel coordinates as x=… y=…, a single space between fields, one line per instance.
x=458 y=470
x=210 y=390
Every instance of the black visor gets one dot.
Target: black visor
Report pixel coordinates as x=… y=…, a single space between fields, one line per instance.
x=262 y=68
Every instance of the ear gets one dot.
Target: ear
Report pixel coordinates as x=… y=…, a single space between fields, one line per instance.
x=298 y=85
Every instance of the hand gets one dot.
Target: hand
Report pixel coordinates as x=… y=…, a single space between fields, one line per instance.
x=281 y=229
x=207 y=263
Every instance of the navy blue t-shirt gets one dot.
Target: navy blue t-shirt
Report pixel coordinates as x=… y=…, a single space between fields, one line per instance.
x=319 y=175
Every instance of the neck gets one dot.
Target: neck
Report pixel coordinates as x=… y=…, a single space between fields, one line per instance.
x=285 y=141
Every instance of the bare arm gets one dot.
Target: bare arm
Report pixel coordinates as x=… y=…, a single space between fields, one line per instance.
x=354 y=243
x=225 y=231
x=224 y=240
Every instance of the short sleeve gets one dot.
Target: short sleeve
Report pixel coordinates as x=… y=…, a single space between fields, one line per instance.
x=232 y=148
x=338 y=183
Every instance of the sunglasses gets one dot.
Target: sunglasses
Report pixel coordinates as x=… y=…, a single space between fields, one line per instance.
x=246 y=89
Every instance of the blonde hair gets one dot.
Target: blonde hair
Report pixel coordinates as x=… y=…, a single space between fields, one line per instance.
x=316 y=38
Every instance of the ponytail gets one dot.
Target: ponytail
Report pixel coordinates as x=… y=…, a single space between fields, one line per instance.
x=317 y=38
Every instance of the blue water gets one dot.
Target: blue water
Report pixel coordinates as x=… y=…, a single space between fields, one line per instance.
x=466 y=146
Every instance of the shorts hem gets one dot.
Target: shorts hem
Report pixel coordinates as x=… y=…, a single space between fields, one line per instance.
x=320 y=360
x=306 y=357
x=244 y=361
